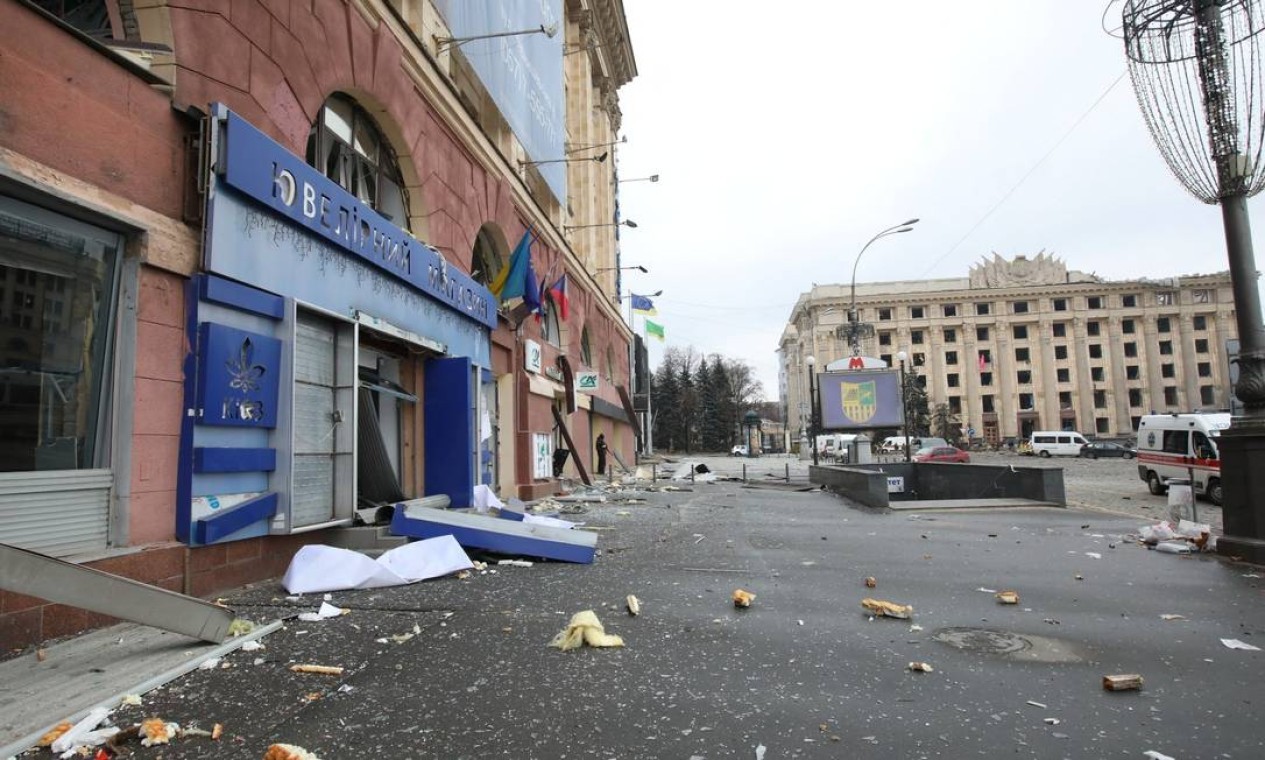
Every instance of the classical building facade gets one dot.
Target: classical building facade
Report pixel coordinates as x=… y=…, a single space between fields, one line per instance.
x=246 y=257
x=1024 y=344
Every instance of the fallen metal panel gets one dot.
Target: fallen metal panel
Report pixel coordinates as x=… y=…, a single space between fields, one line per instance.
x=33 y=574
x=494 y=534
x=575 y=453
x=114 y=661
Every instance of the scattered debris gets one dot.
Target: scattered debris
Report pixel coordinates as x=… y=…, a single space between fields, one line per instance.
x=987 y=590
x=1122 y=682
x=871 y=582
x=54 y=733
x=1041 y=705
x=1052 y=721
x=1008 y=597
x=1079 y=577
x=1153 y=755
x=1172 y=547
x=516 y=563
x=325 y=612
x=1192 y=535
x=742 y=598
x=240 y=627
x=210 y=664
x=131 y=700
x=915 y=628
x=157 y=731
x=323 y=670
x=759 y=752
x=1172 y=616
x=41 y=655
x=921 y=667
x=84 y=733
x=1093 y=555
x=1236 y=644
x=634 y=605
x=888 y=609
x=585 y=629
x=288 y=752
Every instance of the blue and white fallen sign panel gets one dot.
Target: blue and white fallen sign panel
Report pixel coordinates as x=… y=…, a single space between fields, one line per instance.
x=493 y=534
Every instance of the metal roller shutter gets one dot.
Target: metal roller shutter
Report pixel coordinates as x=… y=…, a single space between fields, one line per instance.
x=58 y=513
x=312 y=493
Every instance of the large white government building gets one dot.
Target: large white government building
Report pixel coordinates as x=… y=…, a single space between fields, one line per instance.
x=1025 y=344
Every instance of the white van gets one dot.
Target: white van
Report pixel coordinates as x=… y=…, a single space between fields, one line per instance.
x=1182 y=446
x=1048 y=443
x=893 y=443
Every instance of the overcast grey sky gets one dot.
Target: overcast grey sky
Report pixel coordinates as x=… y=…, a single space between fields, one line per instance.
x=788 y=134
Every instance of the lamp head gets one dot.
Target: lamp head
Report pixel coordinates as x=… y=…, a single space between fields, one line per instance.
x=901 y=356
x=642 y=269
x=812 y=360
x=601 y=159
x=910 y=222
x=654 y=177
x=550 y=30
x=630 y=223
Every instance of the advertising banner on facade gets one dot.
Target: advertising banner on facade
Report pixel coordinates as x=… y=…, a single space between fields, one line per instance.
x=860 y=400
x=522 y=72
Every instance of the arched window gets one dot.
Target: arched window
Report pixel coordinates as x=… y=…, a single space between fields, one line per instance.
x=348 y=147
x=586 y=351
x=486 y=261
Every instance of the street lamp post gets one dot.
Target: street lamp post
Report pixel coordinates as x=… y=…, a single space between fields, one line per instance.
x=854 y=327
x=812 y=405
x=904 y=402
x=1213 y=144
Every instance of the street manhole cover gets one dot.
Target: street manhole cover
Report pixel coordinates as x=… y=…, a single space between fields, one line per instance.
x=983 y=640
x=991 y=641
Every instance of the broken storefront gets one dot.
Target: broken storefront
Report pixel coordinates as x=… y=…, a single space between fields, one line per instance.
x=349 y=374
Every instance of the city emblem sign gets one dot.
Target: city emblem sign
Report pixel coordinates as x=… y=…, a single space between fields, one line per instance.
x=860 y=400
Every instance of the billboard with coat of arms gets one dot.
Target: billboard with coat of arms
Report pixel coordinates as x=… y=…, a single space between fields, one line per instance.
x=860 y=400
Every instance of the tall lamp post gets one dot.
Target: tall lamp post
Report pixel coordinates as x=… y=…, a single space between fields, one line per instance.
x=1213 y=145
x=904 y=402
x=855 y=328
x=812 y=405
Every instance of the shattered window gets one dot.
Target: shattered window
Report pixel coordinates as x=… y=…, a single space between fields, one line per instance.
x=346 y=145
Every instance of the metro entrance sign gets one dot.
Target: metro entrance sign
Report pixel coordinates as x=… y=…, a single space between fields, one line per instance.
x=856 y=362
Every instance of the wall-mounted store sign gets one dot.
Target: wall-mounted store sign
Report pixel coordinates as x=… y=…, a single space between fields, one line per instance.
x=261 y=168
x=586 y=382
x=531 y=356
x=238 y=377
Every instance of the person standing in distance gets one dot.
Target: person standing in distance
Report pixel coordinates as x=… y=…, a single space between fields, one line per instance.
x=601 y=453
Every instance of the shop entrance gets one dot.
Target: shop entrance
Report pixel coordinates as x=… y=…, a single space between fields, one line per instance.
x=389 y=420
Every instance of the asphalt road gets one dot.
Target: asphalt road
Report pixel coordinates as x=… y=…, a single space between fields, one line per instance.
x=804 y=673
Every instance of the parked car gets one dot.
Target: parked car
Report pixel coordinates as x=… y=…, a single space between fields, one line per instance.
x=738 y=451
x=942 y=454
x=1096 y=449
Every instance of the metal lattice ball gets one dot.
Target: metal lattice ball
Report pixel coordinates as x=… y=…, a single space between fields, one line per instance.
x=1196 y=67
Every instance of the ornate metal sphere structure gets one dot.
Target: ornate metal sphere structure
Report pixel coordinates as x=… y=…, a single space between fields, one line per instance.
x=1196 y=67
x=1198 y=73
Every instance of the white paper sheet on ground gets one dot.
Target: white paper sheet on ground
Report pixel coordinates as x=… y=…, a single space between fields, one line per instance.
x=428 y=558
x=1236 y=644
x=484 y=498
x=317 y=568
x=552 y=522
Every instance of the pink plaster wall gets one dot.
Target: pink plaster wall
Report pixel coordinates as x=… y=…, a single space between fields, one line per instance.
x=159 y=393
x=66 y=106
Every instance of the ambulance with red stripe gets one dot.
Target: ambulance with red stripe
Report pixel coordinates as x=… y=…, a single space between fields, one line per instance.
x=1182 y=446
